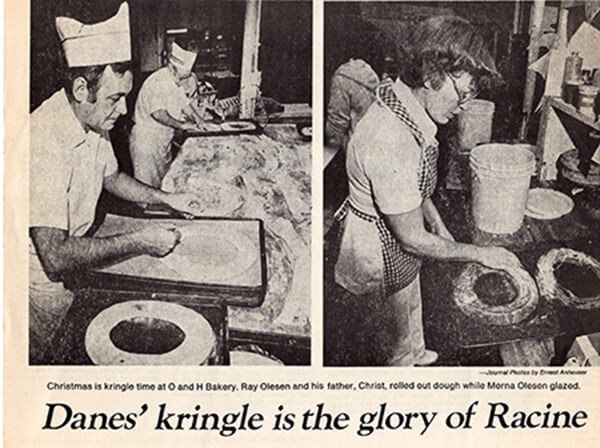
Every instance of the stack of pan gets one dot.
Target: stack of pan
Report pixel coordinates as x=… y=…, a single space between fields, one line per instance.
x=586 y=187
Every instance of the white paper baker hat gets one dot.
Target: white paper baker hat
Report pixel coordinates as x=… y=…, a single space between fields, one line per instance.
x=182 y=58
x=101 y=43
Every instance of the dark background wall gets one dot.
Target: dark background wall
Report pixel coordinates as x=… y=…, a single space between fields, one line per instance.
x=351 y=28
x=46 y=59
x=285 y=57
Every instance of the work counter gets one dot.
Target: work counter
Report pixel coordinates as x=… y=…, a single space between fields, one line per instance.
x=271 y=172
x=536 y=340
x=540 y=339
x=258 y=187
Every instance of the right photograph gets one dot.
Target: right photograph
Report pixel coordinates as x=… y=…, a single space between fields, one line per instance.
x=461 y=184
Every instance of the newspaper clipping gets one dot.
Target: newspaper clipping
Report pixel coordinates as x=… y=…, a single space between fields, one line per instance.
x=297 y=222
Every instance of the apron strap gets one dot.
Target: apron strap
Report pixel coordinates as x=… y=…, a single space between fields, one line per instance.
x=387 y=97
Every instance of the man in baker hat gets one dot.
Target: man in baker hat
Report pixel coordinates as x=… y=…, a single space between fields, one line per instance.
x=71 y=161
x=160 y=111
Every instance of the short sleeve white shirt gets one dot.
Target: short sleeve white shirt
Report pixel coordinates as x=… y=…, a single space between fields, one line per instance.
x=384 y=158
x=159 y=91
x=67 y=168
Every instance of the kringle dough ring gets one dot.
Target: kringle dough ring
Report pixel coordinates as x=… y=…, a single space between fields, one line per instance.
x=195 y=349
x=472 y=305
x=552 y=290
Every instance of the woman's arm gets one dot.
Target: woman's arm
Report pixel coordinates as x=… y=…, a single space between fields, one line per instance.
x=410 y=231
x=434 y=220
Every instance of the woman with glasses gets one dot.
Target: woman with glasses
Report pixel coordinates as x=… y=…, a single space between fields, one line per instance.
x=389 y=223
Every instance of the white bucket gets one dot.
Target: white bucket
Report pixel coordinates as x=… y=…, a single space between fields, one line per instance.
x=533 y=149
x=475 y=124
x=501 y=174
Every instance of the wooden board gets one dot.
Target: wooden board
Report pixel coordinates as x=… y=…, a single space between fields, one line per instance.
x=234 y=127
x=213 y=256
x=440 y=311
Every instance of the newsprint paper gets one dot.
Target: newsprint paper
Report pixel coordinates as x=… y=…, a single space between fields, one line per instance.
x=517 y=373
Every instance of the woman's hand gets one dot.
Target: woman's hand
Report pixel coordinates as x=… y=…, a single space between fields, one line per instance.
x=498 y=258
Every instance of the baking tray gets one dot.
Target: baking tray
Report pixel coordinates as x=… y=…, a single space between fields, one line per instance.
x=68 y=346
x=291 y=350
x=247 y=291
x=256 y=131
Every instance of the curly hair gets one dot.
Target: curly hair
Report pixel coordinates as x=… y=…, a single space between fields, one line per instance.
x=445 y=44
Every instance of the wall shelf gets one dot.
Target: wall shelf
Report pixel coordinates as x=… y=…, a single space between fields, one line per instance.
x=570 y=110
x=562 y=128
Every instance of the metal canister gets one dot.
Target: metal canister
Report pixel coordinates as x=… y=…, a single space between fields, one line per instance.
x=572 y=78
x=587 y=99
x=573 y=66
x=571 y=92
x=596 y=77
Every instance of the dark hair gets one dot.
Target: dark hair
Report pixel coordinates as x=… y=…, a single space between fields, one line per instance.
x=445 y=44
x=92 y=75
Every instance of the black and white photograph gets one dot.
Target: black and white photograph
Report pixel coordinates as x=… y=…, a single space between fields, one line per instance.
x=167 y=207
x=461 y=184
x=170 y=182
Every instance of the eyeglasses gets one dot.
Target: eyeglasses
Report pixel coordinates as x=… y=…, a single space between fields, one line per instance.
x=463 y=96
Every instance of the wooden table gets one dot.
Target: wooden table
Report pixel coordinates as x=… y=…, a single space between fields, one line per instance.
x=273 y=172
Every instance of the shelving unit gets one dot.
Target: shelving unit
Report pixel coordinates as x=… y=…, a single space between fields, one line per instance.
x=563 y=128
x=572 y=111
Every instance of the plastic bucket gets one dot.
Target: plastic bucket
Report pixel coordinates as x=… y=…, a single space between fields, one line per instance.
x=475 y=124
x=533 y=149
x=501 y=174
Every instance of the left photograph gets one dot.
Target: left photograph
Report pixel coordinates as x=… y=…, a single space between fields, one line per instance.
x=170 y=182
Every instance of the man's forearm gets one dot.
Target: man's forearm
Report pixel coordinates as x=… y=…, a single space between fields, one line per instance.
x=336 y=129
x=130 y=189
x=165 y=118
x=60 y=253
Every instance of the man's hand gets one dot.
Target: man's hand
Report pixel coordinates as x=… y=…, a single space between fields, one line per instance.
x=157 y=240
x=186 y=203
x=130 y=189
x=189 y=126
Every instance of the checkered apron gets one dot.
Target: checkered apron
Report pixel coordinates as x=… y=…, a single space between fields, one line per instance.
x=399 y=267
